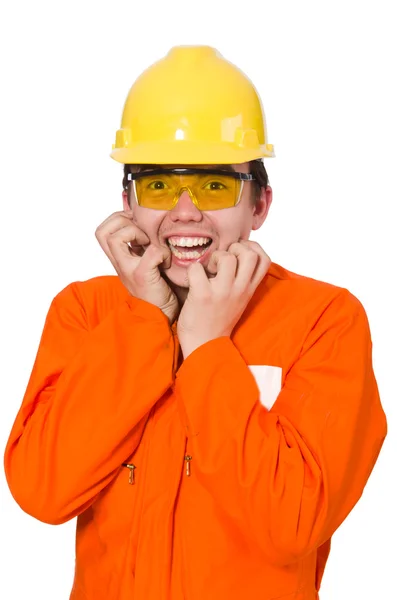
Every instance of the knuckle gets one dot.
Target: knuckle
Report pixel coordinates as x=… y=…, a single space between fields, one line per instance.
x=224 y=255
x=121 y=234
x=112 y=240
x=252 y=255
x=234 y=245
x=249 y=253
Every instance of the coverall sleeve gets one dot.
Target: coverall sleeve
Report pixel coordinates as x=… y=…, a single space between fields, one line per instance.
x=287 y=477
x=85 y=405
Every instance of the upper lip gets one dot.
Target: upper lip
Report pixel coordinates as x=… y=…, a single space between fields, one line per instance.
x=190 y=234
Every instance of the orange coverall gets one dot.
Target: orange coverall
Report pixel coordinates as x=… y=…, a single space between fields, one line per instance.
x=242 y=460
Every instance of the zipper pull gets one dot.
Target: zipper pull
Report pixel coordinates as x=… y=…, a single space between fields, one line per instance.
x=131 y=479
x=188 y=458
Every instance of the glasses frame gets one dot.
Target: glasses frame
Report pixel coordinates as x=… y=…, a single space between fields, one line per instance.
x=234 y=174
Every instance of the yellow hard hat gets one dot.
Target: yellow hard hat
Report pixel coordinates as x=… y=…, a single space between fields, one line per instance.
x=192 y=107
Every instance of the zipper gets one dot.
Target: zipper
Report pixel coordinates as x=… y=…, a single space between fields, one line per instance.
x=131 y=467
x=188 y=459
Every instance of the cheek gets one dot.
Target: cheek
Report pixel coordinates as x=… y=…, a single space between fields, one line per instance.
x=244 y=221
x=245 y=229
x=148 y=220
x=231 y=227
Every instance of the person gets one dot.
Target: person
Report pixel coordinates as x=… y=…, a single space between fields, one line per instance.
x=209 y=417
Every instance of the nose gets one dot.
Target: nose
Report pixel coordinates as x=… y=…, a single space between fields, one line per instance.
x=185 y=209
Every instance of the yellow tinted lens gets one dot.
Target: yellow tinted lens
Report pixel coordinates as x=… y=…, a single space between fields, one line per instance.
x=209 y=192
x=214 y=192
x=156 y=191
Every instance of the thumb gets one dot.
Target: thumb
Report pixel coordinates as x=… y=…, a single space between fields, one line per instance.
x=167 y=258
x=160 y=256
x=195 y=277
x=212 y=266
x=151 y=262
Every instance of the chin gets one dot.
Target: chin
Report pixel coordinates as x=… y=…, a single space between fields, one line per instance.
x=177 y=276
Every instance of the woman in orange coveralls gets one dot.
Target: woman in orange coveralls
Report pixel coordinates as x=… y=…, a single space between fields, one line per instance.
x=210 y=417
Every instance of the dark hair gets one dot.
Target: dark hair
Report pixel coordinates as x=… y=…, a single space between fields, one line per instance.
x=257 y=169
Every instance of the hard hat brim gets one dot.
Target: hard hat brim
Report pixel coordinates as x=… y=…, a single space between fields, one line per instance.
x=189 y=153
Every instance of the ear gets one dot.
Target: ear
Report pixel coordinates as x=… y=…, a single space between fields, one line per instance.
x=261 y=209
x=126 y=205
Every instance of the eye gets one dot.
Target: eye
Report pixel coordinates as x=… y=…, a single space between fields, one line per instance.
x=157 y=185
x=214 y=186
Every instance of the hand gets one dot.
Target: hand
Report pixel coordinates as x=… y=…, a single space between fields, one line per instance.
x=137 y=261
x=214 y=305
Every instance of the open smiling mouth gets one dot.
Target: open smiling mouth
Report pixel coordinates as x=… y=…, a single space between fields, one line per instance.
x=189 y=248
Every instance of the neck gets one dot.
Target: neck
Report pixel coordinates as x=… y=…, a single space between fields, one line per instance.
x=180 y=292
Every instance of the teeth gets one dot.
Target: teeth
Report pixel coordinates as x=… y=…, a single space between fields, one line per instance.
x=187 y=254
x=188 y=242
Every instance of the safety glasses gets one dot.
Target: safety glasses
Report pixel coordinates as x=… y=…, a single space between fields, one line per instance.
x=209 y=189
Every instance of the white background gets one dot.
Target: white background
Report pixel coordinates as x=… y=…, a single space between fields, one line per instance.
x=326 y=72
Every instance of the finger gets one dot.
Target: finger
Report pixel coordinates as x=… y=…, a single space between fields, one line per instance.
x=262 y=265
x=265 y=259
x=116 y=217
x=111 y=225
x=117 y=248
x=148 y=267
x=247 y=260
x=103 y=242
x=213 y=263
x=197 y=280
x=128 y=237
x=117 y=222
x=167 y=257
x=110 y=246
x=126 y=248
x=255 y=246
x=225 y=265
